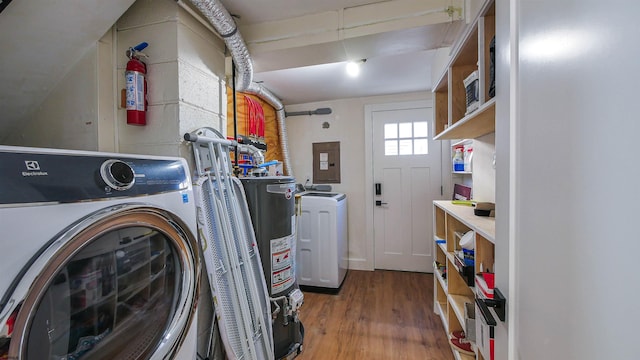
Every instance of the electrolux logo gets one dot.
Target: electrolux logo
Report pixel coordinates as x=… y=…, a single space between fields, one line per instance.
x=34 y=169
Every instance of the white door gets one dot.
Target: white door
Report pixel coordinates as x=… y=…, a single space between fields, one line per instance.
x=406 y=165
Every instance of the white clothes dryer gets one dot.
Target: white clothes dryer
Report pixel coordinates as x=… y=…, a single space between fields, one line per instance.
x=99 y=256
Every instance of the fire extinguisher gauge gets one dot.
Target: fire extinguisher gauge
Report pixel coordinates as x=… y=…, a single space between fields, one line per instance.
x=117 y=174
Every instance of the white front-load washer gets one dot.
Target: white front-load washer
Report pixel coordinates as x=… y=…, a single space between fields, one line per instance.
x=99 y=256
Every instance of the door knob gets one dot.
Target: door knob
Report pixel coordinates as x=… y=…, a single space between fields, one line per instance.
x=380 y=203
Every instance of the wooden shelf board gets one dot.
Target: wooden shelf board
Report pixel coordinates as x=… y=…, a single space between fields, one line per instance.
x=460 y=356
x=457 y=304
x=452 y=258
x=443 y=247
x=476 y=124
x=483 y=225
x=462 y=142
x=443 y=81
x=441 y=308
x=442 y=282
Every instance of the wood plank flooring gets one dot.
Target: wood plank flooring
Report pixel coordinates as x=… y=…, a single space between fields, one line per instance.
x=377 y=315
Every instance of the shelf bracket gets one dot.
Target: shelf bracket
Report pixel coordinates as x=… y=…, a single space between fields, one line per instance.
x=498 y=303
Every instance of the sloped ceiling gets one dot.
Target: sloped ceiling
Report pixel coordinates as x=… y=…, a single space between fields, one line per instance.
x=298 y=60
x=41 y=41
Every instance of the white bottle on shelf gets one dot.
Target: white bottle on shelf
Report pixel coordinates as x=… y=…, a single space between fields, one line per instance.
x=458 y=160
x=468 y=155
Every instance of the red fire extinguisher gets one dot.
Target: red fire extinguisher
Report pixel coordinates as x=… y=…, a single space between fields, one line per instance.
x=136 y=85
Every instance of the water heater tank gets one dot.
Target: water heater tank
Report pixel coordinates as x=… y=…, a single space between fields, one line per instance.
x=272 y=206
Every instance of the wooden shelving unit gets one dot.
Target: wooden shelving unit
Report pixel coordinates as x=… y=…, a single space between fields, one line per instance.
x=471 y=53
x=485 y=226
x=451 y=294
x=454 y=120
x=476 y=124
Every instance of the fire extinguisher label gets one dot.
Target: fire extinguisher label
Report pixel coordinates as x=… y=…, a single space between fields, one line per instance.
x=135 y=90
x=282 y=276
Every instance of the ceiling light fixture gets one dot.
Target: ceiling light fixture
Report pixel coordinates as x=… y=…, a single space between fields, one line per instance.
x=353 y=67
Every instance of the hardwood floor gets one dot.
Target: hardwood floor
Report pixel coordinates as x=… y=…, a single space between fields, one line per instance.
x=377 y=315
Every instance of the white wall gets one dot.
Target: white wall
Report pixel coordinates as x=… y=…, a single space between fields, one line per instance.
x=68 y=117
x=484 y=175
x=573 y=203
x=347 y=126
x=108 y=97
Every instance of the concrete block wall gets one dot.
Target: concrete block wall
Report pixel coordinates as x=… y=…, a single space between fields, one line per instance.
x=185 y=77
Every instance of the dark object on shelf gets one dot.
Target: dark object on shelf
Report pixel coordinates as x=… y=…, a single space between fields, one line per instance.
x=442 y=269
x=248 y=141
x=469 y=256
x=465 y=268
x=461 y=192
x=498 y=303
x=467 y=274
x=492 y=67
x=485 y=209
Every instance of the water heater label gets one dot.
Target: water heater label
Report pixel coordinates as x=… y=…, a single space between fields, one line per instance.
x=282 y=276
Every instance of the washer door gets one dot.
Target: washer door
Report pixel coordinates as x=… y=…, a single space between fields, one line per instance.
x=123 y=288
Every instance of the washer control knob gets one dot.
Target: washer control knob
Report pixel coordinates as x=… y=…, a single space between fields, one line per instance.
x=117 y=174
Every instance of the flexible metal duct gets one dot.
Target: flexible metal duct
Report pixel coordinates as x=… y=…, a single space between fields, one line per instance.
x=224 y=24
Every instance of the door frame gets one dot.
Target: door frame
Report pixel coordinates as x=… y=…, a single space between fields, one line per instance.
x=368 y=158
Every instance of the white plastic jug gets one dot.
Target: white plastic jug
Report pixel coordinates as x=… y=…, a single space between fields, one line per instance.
x=458 y=161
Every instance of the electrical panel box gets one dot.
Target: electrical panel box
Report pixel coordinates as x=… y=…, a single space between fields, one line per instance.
x=326 y=162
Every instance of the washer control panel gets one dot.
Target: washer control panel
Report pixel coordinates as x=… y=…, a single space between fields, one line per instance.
x=43 y=177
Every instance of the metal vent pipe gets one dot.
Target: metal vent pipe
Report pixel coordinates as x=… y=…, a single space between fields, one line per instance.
x=224 y=24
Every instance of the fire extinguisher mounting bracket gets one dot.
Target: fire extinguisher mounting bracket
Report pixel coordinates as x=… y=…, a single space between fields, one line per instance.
x=136 y=51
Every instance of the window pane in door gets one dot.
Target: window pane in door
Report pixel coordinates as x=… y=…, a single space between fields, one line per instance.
x=406 y=147
x=405 y=130
x=420 y=146
x=391 y=131
x=420 y=129
x=391 y=147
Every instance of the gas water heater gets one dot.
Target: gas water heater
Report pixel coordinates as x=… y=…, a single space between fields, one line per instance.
x=272 y=206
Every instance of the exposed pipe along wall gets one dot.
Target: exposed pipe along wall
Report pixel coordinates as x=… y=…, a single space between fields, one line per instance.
x=287 y=336
x=235 y=107
x=222 y=21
